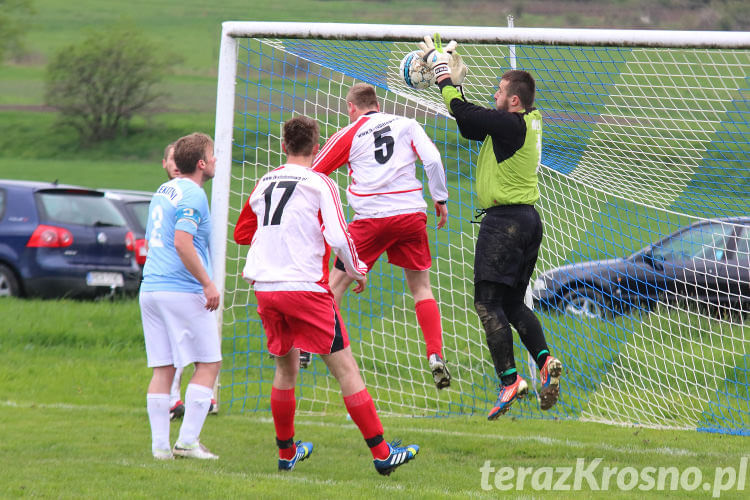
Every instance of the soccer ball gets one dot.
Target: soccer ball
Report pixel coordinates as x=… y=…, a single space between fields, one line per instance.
x=414 y=72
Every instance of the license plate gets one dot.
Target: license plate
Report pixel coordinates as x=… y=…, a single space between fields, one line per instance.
x=104 y=279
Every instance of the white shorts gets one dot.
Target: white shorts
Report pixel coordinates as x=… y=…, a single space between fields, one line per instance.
x=178 y=329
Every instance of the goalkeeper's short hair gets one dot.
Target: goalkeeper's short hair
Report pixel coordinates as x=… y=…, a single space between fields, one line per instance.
x=363 y=96
x=522 y=84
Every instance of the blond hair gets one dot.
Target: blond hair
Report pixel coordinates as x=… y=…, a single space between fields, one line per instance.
x=190 y=149
x=167 y=149
x=363 y=96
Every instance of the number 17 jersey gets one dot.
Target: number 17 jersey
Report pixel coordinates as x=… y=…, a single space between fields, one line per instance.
x=292 y=217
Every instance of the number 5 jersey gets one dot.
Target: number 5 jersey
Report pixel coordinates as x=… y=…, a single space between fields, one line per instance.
x=290 y=220
x=380 y=150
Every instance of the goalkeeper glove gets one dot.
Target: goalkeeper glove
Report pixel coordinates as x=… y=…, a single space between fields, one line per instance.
x=457 y=68
x=443 y=61
x=434 y=57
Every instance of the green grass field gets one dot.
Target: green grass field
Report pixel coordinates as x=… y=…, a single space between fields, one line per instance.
x=73 y=425
x=73 y=374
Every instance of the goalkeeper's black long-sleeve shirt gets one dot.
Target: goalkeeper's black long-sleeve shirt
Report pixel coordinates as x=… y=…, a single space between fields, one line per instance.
x=508 y=130
x=510 y=153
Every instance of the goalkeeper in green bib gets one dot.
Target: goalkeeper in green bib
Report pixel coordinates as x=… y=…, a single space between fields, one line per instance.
x=511 y=231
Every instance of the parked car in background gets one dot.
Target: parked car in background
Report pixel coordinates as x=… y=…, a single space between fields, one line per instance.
x=63 y=241
x=705 y=264
x=133 y=205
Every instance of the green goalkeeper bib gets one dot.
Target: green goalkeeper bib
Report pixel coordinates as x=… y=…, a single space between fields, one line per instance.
x=513 y=181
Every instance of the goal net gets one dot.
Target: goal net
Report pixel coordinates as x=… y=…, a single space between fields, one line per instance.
x=642 y=281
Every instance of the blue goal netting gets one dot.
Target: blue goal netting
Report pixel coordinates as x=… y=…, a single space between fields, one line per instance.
x=642 y=282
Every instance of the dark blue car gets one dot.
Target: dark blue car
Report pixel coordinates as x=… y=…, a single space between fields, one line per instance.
x=133 y=206
x=705 y=264
x=63 y=241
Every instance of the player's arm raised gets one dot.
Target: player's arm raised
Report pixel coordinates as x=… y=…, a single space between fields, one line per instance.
x=335 y=152
x=449 y=71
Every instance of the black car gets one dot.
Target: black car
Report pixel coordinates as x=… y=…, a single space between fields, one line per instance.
x=63 y=241
x=133 y=205
x=704 y=264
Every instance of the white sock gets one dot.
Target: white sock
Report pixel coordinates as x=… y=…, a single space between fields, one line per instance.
x=197 y=402
x=174 y=394
x=157 y=406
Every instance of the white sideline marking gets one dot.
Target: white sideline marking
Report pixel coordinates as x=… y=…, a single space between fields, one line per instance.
x=665 y=450
x=68 y=406
x=300 y=477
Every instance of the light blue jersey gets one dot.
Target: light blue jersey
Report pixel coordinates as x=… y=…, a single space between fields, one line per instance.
x=179 y=204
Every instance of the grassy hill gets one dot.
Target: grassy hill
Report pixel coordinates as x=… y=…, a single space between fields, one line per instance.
x=190 y=30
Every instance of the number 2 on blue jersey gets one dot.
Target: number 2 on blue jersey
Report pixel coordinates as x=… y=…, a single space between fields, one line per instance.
x=157 y=215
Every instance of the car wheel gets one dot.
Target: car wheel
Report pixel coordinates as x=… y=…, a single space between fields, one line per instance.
x=586 y=303
x=8 y=282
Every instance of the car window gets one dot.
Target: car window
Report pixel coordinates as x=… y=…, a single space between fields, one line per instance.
x=706 y=241
x=140 y=209
x=79 y=208
x=743 y=245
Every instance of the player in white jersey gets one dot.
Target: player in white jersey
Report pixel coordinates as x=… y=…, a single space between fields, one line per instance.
x=390 y=213
x=291 y=219
x=177 y=299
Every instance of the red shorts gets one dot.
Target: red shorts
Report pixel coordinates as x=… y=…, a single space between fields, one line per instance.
x=309 y=321
x=403 y=237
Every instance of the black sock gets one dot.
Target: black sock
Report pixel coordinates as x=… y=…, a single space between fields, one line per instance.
x=500 y=344
x=541 y=358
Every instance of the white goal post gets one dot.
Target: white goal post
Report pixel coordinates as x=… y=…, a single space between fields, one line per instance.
x=646 y=133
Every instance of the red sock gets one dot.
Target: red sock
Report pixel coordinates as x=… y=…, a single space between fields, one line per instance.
x=362 y=410
x=282 y=410
x=428 y=316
